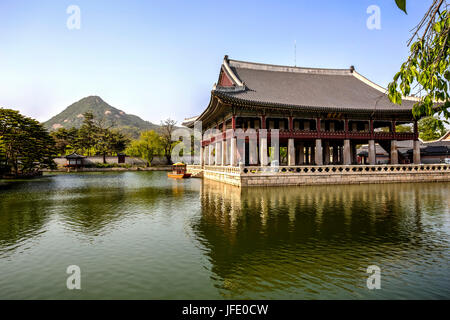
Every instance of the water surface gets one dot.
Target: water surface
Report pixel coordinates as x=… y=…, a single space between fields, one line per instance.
x=138 y=235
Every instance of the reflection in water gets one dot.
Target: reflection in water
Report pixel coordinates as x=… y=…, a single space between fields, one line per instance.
x=316 y=242
x=139 y=235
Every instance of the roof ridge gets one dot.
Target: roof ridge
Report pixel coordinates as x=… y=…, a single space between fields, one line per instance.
x=281 y=68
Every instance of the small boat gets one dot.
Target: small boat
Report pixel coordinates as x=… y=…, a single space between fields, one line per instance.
x=179 y=171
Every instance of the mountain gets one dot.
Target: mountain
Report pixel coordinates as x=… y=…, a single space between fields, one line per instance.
x=72 y=116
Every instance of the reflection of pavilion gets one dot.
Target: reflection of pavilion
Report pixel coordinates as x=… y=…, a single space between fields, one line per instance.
x=266 y=239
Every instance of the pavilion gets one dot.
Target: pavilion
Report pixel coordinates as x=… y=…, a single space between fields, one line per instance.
x=321 y=115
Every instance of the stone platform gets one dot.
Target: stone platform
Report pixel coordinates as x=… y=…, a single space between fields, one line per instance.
x=322 y=175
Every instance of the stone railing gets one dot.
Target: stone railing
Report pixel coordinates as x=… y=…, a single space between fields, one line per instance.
x=342 y=169
x=224 y=169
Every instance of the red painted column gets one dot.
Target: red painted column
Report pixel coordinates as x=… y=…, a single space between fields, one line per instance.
x=394 y=129
x=371 y=128
x=291 y=123
x=416 y=130
x=346 y=127
x=318 y=126
x=233 y=122
x=263 y=122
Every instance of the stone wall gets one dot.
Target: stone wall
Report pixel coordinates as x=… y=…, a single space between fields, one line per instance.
x=133 y=161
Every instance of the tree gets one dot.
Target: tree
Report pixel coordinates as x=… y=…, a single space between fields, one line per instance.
x=430 y=128
x=426 y=71
x=108 y=141
x=65 y=140
x=87 y=133
x=26 y=145
x=146 y=147
x=167 y=128
x=401 y=128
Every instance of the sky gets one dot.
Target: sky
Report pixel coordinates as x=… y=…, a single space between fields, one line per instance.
x=160 y=59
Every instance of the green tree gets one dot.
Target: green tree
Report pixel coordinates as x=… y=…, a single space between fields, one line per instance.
x=426 y=71
x=430 y=128
x=65 y=140
x=147 y=146
x=87 y=133
x=167 y=128
x=26 y=145
x=108 y=142
x=401 y=128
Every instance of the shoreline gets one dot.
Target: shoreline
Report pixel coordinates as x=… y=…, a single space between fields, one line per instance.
x=65 y=170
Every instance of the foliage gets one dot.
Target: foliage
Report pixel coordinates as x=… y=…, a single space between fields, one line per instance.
x=426 y=72
x=92 y=138
x=146 y=147
x=166 y=130
x=25 y=144
x=430 y=128
x=401 y=128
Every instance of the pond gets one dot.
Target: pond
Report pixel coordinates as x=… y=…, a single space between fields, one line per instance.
x=139 y=235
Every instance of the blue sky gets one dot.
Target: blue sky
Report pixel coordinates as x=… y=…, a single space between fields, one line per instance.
x=159 y=59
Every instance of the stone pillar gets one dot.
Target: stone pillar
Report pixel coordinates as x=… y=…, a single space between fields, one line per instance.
x=291 y=152
x=202 y=156
x=372 y=153
x=347 y=153
x=211 y=153
x=394 y=152
x=326 y=152
x=217 y=154
x=301 y=153
x=224 y=152
x=263 y=152
x=416 y=152
x=319 y=155
x=233 y=150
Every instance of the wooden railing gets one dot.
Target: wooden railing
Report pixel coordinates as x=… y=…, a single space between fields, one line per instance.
x=314 y=134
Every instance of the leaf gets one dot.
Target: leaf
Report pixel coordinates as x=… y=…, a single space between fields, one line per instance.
x=401 y=4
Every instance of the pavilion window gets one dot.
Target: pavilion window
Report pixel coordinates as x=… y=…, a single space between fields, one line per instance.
x=271 y=124
x=281 y=125
x=296 y=125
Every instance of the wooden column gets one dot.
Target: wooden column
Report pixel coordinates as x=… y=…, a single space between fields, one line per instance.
x=263 y=122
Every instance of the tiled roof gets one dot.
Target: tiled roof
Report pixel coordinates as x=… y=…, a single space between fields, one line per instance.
x=308 y=88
